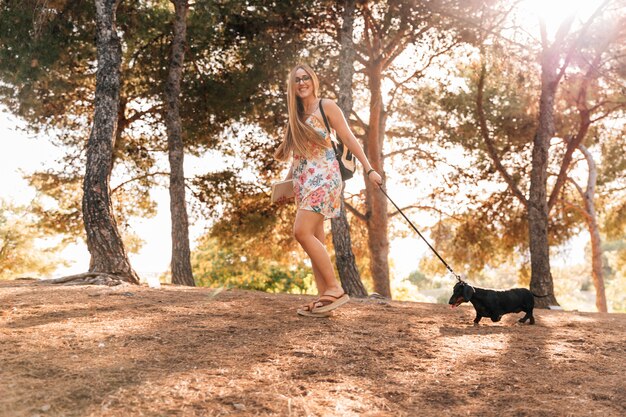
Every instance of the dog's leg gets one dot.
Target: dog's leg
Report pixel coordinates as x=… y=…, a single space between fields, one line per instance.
x=529 y=315
x=477 y=319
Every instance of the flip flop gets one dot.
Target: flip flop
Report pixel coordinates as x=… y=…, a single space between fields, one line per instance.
x=330 y=302
x=307 y=313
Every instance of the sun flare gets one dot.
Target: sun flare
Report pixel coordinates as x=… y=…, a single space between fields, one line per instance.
x=554 y=12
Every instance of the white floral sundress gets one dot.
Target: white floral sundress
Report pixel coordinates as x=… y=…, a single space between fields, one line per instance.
x=317 y=181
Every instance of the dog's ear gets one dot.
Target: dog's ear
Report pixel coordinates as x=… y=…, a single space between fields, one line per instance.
x=468 y=291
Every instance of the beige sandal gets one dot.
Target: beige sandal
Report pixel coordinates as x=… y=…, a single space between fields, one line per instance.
x=307 y=311
x=330 y=302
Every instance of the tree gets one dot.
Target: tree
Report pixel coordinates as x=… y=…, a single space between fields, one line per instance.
x=53 y=76
x=105 y=245
x=181 y=264
x=344 y=257
x=49 y=82
x=554 y=61
x=589 y=213
x=249 y=104
x=390 y=28
x=487 y=217
x=611 y=202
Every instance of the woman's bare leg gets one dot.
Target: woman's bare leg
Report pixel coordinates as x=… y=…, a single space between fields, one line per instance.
x=309 y=232
x=319 y=279
x=320 y=284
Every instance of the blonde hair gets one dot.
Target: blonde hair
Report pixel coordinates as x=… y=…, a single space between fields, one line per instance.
x=299 y=136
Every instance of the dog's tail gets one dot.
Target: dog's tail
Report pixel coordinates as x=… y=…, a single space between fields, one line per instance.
x=539 y=296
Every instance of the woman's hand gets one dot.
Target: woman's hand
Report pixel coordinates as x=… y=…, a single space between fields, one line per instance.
x=375 y=178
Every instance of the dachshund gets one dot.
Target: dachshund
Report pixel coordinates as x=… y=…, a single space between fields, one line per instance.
x=494 y=304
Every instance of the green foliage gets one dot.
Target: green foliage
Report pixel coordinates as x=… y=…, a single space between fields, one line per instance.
x=614 y=157
x=49 y=81
x=242 y=215
x=237 y=58
x=217 y=266
x=23 y=250
x=489 y=227
x=418 y=279
x=58 y=209
x=236 y=61
x=615 y=253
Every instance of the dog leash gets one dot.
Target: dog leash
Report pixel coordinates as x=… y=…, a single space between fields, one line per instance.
x=420 y=235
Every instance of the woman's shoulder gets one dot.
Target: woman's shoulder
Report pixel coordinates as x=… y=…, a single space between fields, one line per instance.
x=328 y=104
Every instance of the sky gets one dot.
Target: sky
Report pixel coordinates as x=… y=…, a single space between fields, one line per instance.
x=555 y=11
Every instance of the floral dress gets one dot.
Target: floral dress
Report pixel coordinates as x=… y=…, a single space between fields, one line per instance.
x=317 y=180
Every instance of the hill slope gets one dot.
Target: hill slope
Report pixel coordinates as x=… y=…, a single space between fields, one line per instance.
x=122 y=351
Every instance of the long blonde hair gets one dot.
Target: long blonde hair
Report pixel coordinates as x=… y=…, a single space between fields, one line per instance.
x=299 y=136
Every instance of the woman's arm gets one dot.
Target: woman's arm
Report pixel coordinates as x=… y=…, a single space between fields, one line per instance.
x=338 y=122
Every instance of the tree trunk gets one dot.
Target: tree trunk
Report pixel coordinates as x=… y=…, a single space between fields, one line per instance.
x=181 y=263
x=103 y=239
x=594 y=231
x=344 y=257
x=375 y=201
x=541 y=278
x=596 y=257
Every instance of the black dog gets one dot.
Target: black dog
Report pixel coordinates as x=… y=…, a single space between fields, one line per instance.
x=494 y=304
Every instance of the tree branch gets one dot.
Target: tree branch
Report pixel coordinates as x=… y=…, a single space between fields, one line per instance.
x=360 y=122
x=592 y=174
x=139 y=51
x=419 y=72
x=491 y=149
x=562 y=32
x=367 y=32
x=355 y=212
x=608 y=113
x=419 y=207
x=398 y=43
x=139 y=114
x=583 y=126
x=141 y=177
x=576 y=208
x=404 y=150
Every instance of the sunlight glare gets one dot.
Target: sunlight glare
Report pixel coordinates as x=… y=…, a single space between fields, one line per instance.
x=554 y=12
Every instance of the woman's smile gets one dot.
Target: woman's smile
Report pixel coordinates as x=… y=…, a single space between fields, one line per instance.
x=304 y=90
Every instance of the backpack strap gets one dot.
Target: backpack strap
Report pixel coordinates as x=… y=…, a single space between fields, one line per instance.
x=324 y=116
x=332 y=142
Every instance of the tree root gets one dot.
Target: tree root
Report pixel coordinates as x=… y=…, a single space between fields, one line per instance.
x=87 y=278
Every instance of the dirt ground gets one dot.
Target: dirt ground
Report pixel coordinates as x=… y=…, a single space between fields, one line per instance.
x=136 y=351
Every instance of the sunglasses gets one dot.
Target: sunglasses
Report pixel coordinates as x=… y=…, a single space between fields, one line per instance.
x=304 y=79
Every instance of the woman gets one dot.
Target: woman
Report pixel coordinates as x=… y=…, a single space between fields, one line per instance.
x=316 y=179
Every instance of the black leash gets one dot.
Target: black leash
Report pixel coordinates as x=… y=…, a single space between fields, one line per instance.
x=420 y=235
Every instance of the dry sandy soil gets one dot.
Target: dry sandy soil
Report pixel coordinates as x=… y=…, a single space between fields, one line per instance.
x=136 y=351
